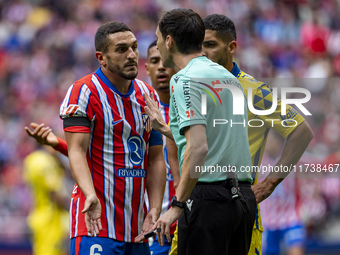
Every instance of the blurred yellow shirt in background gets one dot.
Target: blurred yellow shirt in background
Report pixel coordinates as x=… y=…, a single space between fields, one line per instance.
x=47 y=221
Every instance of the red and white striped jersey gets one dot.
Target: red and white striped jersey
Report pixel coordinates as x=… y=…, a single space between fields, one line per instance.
x=118 y=152
x=169 y=191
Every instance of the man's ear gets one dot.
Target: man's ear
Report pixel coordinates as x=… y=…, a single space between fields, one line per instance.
x=232 y=47
x=169 y=42
x=101 y=58
x=146 y=65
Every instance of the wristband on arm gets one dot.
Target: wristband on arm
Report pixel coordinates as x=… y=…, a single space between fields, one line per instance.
x=61 y=146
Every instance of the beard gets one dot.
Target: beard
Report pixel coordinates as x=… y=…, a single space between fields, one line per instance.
x=223 y=61
x=168 y=61
x=128 y=75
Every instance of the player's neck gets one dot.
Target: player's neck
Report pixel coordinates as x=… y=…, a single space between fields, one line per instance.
x=230 y=65
x=164 y=97
x=181 y=60
x=123 y=86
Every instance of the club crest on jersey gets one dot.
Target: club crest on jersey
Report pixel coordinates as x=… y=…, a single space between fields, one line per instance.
x=146 y=122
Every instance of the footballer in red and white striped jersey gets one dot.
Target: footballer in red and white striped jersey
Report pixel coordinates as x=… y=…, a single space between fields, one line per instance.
x=118 y=152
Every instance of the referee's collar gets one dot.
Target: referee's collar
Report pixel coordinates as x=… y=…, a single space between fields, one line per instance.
x=107 y=82
x=235 y=71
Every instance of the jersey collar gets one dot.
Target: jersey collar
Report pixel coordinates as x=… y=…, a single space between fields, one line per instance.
x=235 y=71
x=164 y=104
x=107 y=82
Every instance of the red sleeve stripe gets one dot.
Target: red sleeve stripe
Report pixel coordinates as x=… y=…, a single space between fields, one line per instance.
x=77 y=129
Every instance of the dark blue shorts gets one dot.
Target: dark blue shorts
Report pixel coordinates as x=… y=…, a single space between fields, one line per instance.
x=288 y=238
x=85 y=245
x=156 y=249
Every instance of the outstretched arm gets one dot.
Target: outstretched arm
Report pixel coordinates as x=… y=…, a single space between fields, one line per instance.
x=45 y=136
x=295 y=145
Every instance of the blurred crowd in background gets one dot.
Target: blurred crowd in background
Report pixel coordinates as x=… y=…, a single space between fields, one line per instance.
x=45 y=45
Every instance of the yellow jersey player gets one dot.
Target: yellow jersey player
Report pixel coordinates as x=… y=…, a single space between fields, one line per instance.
x=220 y=45
x=48 y=219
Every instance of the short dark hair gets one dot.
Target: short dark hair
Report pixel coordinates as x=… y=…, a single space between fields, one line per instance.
x=224 y=27
x=153 y=44
x=101 y=41
x=186 y=27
